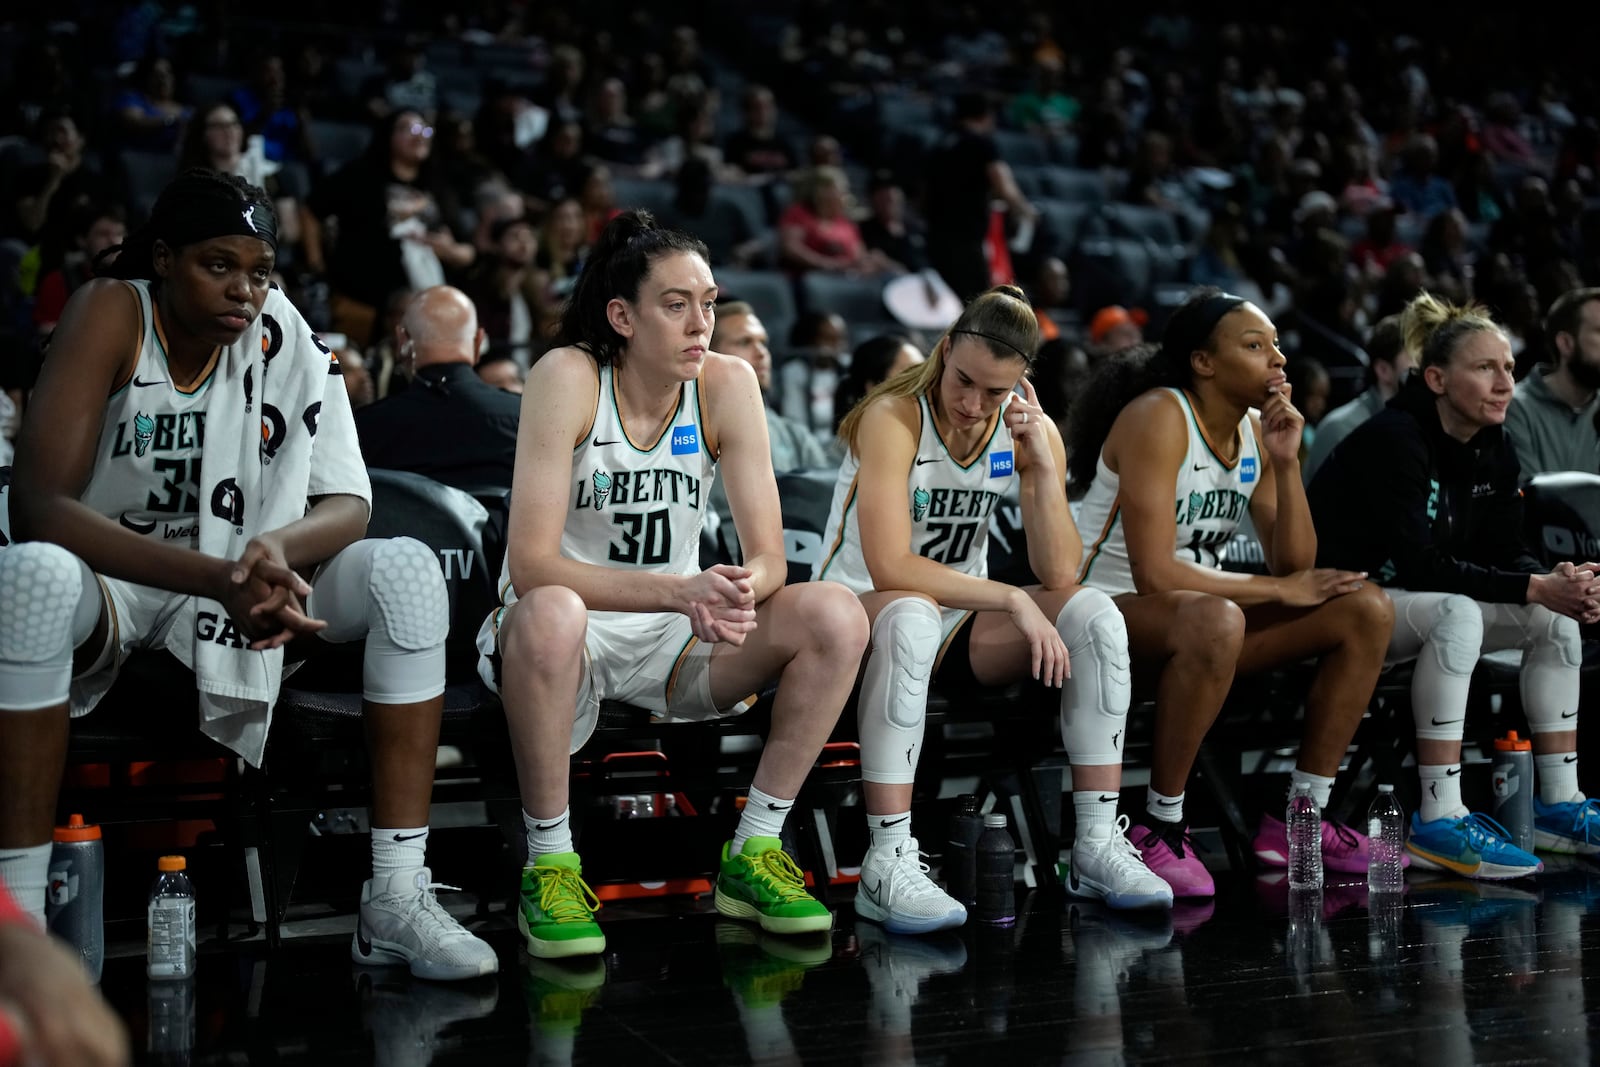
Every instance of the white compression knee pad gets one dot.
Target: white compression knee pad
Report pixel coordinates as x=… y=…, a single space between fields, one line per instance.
x=1094 y=702
x=1550 y=680
x=893 y=706
x=1444 y=670
x=50 y=605
x=392 y=591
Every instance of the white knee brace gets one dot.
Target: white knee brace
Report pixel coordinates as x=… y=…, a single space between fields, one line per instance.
x=894 y=690
x=1439 y=688
x=392 y=591
x=1094 y=702
x=1550 y=680
x=49 y=603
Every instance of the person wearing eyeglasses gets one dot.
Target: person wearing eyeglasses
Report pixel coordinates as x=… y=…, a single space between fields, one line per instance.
x=391 y=232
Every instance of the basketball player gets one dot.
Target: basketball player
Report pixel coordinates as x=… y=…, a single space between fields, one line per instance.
x=931 y=451
x=127 y=541
x=624 y=425
x=1174 y=455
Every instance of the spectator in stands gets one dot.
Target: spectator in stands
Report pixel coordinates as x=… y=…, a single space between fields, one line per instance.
x=50 y=193
x=217 y=546
x=717 y=221
x=150 y=117
x=599 y=201
x=613 y=134
x=503 y=289
x=1424 y=496
x=874 y=361
x=406 y=85
x=1059 y=374
x=1115 y=328
x=1554 y=420
x=1052 y=298
x=216 y=140
x=944 y=441
x=1372 y=254
x=740 y=332
x=50 y=1013
x=449 y=425
x=899 y=241
x=819 y=343
x=390 y=232
x=1311 y=384
x=557 y=166
x=1388 y=363
x=1416 y=185
x=99 y=227
x=965 y=173
x=1446 y=255
x=757 y=149
x=562 y=254
x=603 y=598
x=501 y=372
x=389 y=366
x=266 y=109
x=1175 y=423
x=816 y=231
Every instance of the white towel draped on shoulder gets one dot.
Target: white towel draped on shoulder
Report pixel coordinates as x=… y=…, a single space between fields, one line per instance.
x=278 y=432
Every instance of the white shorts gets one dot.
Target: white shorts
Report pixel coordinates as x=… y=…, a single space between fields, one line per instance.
x=650 y=660
x=140 y=619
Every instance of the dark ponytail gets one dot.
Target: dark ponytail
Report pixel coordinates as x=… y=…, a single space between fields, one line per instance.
x=174 y=214
x=617 y=265
x=1122 y=376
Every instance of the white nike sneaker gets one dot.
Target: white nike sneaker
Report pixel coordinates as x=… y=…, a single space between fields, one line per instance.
x=895 y=890
x=1106 y=866
x=401 y=922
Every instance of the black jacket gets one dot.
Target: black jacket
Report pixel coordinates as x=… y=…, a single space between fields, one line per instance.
x=1417 y=509
x=449 y=425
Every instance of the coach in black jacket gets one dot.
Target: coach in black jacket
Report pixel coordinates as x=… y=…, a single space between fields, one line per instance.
x=1424 y=497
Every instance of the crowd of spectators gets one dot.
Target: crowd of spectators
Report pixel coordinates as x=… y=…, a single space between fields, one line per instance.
x=1328 y=166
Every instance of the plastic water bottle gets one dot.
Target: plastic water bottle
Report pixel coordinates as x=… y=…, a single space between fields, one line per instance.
x=1386 y=831
x=1305 y=839
x=961 y=857
x=75 y=902
x=997 y=873
x=170 y=933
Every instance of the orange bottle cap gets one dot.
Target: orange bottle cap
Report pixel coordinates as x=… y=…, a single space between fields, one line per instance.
x=1512 y=743
x=171 y=863
x=77 y=830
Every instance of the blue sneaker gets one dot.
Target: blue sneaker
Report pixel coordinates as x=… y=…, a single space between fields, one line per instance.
x=1473 y=845
x=1573 y=827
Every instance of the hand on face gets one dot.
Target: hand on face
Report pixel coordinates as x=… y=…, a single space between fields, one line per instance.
x=1026 y=421
x=1281 y=426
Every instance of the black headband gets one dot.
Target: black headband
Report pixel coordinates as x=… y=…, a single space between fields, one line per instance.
x=215 y=210
x=1210 y=312
x=993 y=340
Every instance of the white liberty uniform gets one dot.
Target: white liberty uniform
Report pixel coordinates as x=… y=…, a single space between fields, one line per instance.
x=637 y=507
x=1211 y=501
x=951 y=503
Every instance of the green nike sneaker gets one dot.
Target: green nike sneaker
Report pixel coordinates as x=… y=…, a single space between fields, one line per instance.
x=556 y=911
x=762 y=884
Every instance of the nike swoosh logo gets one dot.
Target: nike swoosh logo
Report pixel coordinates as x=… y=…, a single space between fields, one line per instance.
x=872 y=890
x=778 y=807
x=551 y=826
x=1452 y=772
x=410 y=837
x=921 y=461
x=362 y=941
x=1202 y=466
x=145 y=385
x=885 y=823
x=1571 y=759
x=601 y=444
x=138 y=527
x=1445 y=722
x=1433 y=790
x=1569 y=715
x=1169 y=803
x=1108 y=798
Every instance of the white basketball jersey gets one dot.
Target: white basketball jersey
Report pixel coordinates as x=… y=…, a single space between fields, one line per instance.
x=1212 y=499
x=636 y=506
x=147 y=464
x=950 y=506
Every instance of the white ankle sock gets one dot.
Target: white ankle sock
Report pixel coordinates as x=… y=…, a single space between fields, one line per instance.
x=547 y=836
x=1094 y=808
x=26 y=873
x=398 y=849
x=1321 y=787
x=1441 y=791
x=1165 y=808
x=888 y=831
x=763 y=817
x=1558 y=777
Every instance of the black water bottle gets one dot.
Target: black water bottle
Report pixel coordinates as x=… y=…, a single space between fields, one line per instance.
x=997 y=883
x=961 y=857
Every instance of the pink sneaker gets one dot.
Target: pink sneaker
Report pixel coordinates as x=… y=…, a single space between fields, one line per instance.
x=1343 y=849
x=1169 y=852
